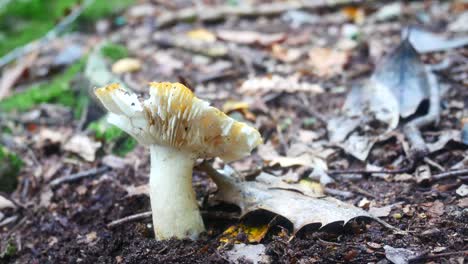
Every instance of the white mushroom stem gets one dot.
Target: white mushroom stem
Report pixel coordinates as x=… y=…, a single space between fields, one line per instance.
x=173 y=201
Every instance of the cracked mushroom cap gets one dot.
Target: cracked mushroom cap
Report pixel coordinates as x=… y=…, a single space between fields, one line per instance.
x=172 y=116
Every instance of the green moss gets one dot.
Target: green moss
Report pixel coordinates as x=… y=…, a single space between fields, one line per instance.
x=22 y=21
x=109 y=134
x=10 y=165
x=114 y=51
x=56 y=91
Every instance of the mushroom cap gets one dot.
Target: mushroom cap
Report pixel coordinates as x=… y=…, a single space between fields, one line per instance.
x=172 y=116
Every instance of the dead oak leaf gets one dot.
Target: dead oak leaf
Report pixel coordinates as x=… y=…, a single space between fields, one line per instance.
x=298 y=208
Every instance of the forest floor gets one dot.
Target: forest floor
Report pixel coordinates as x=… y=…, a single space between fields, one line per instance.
x=285 y=69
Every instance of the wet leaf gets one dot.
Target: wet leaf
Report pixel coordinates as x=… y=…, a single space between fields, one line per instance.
x=372 y=111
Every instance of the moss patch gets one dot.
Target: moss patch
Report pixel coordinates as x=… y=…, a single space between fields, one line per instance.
x=114 y=51
x=10 y=165
x=109 y=134
x=56 y=91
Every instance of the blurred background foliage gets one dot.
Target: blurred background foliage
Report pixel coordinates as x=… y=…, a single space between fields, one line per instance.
x=24 y=21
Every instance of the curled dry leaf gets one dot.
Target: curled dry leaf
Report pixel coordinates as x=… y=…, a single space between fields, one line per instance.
x=250 y=37
x=126 y=65
x=327 y=62
x=84 y=146
x=278 y=84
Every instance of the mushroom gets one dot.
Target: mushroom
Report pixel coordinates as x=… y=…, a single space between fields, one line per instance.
x=178 y=128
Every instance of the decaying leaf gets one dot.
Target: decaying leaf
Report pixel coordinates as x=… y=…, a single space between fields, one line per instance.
x=250 y=37
x=201 y=34
x=298 y=208
x=278 y=84
x=372 y=111
x=84 y=146
x=254 y=234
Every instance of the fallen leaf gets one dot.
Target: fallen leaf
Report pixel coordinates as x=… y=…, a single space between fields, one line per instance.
x=462 y=190
x=463 y=203
x=327 y=62
x=202 y=34
x=250 y=37
x=84 y=146
x=356 y=14
x=142 y=10
x=388 y=11
x=126 y=65
x=425 y=41
x=437 y=209
x=242 y=253
x=278 y=84
x=398 y=255
x=460 y=24
x=5 y=203
x=298 y=208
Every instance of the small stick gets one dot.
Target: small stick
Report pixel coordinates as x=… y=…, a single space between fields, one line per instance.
x=441 y=255
x=363 y=171
x=144 y=215
x=79 y=175
x=344 y=194
x=130 y=218
x=449 y=174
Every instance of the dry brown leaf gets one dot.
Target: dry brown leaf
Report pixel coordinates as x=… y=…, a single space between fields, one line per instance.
x=126 y=65
x=327 y=62
x=84 y=146
x=250 y=37
x=133 y=190
x=278 y=84
x=11 y=75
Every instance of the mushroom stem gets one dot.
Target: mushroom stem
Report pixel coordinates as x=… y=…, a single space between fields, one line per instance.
x=173 y=202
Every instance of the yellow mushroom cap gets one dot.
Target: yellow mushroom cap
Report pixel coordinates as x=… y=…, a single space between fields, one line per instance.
x=172 y=116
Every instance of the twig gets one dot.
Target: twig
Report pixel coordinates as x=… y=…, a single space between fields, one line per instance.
x=129 y=218
x=344 y=194
x=60 y=27
x=363 y=171
x=221 y=12
x=144 y=215
x=79 y=175
x=440 y=255
x=412 y=129
x=449 y=174
x=433 y=164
